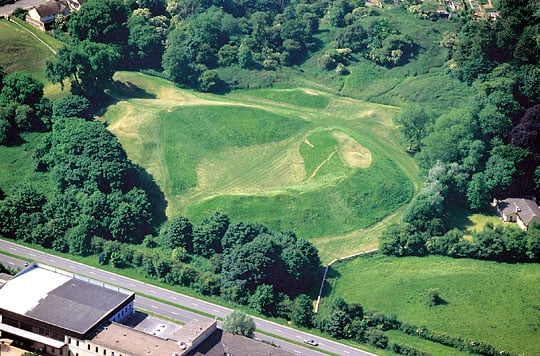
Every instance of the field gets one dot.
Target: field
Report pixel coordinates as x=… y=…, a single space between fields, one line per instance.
x=321 y=165
x=25 y=49
x=485 y=301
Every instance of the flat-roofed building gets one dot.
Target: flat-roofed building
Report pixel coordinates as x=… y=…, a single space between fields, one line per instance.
x=45 y=309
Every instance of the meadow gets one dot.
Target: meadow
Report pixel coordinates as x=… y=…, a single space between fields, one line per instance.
x=487 y=301
x=26 y=49
x=317 y=164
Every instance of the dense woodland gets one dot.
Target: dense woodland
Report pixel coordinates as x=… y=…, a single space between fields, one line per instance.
x=486 y=149
x=488 y=146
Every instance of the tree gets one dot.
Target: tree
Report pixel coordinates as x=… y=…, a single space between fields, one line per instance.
x=302 y=311
x=102 y=21
x=402 y=240
x=21 y=88
x=526 y=133
x=336 y=324
x=241 y=233
x=207 y=236
x=147 y=39
x=71 y=106
x=434 y=297
x=239 y=323
x=88 y=65
x=179 y=234
x=415 y=124
x=263 y=300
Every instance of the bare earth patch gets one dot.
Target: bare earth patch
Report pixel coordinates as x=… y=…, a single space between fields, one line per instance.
x=351 y=152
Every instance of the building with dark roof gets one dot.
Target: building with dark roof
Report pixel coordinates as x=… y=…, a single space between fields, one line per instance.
x=42 y=307
x=59 y=313
x=522 y=211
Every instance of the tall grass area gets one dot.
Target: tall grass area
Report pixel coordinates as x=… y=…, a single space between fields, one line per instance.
x=17 y=165
x=486 y=301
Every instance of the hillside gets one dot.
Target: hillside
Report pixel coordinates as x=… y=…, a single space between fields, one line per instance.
x=292 y=159
x=25 y=49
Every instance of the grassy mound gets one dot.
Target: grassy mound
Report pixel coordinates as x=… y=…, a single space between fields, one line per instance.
x=485 y=301
x=301 y=160
x=25 y=49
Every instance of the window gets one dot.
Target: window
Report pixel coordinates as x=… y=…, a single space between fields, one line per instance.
x=104 y=352
x=77 y=342
x=88 y=346
x=97 y=349
x=69 y=340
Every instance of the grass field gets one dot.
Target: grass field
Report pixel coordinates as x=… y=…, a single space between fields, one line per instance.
x=24 y=49
x=487 y=301
x=323 y=166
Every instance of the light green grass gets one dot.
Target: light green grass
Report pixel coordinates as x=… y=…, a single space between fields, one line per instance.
x=247 y=156
x=192 y=133
x=487 y=301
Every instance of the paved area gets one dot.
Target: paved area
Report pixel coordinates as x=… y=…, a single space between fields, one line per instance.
x=7 y=9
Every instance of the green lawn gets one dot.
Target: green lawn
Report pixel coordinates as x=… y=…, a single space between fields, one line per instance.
x=487 y=301
x=324 y=168
x=22 y=52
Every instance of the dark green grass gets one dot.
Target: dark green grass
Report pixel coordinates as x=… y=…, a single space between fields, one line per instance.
x=17 y=165
x=355 y=202
x=191 y=133
x=21 y=52
x=486 y=301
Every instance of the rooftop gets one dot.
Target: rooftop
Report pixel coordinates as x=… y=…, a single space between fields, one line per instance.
x=527 y=209
x=134 y=342
x=59 y=298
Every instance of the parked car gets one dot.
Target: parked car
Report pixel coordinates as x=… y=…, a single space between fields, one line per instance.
x=311 y=342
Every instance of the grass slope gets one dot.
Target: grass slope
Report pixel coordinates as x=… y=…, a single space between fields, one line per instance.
x=294 y=159
x=25 y=49
x=486 y=301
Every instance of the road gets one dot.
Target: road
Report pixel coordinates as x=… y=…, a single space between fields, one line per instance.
x=23 y=4
x=177 y=299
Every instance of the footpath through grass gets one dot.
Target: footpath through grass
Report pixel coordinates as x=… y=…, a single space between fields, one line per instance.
x=495 y=303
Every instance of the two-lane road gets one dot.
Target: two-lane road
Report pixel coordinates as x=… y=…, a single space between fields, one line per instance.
x=176 y=299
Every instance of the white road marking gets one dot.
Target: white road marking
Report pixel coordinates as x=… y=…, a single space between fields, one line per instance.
x=112 y=279
x=194 y=304
x=214 y=310
x=132 y=285
x=153 y=306
x=73 y=267
x=279 y=331
x=92 y=272
x=153 y=291
x=173 y=298
x=174 y=313
x=31 y=254
x=11 y=263
x=346 y=352
x=299 y=336
x=51 y=260
x=13 y=248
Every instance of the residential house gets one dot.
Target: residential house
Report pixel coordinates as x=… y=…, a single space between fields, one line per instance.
x=522 y=211
x=44 y=15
